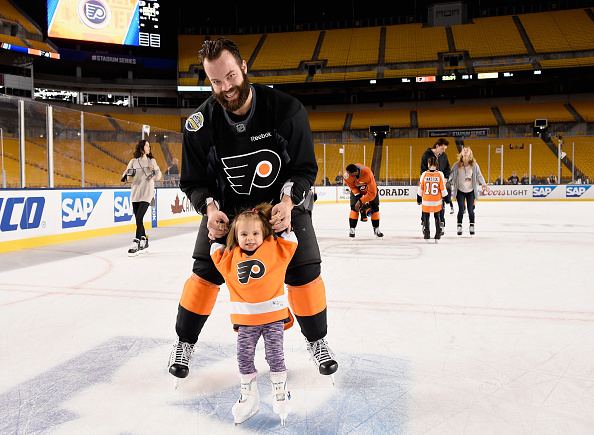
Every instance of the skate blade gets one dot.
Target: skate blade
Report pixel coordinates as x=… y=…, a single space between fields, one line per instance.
x=239 y=421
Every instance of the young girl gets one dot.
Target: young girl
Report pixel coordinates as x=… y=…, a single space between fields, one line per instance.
x=254 y=264
x=143 y=171
x=466 y=177
x=431 y=190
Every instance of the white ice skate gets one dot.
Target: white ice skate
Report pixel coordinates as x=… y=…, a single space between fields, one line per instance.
x=280 y=395
x=323 y=357
x=377 y=232
x=471 y=229
x=248 y=403
x=351 y=232
x=179 y=360
x=134 y=248
x=459 y=229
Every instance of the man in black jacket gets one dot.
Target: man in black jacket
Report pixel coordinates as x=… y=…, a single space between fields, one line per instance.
x=248 y=144
x=438 y=150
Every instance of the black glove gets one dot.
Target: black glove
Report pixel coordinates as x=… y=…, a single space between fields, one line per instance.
x=298 y=191
x=447 y=199
x=124 y=178
x=419 y=200
x=365 y=209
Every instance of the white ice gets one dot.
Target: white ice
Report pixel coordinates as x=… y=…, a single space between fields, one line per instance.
x=490 y=334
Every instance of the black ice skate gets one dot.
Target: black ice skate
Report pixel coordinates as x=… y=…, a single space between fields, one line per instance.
x=143 y=245
x=426 y=234
x=459 y=230
x=323 y=357
x=377 y=232
x=134 y=249
x=442 y=228
x=351 y=232
x=179 y=359
x=471 y=229
x=438 y=234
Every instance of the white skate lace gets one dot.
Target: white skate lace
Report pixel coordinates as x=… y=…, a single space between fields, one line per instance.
x=320 y=352
x=181 y=353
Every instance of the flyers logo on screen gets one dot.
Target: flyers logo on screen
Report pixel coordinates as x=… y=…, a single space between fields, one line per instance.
x=93 y=13
x=250 y=269
x=258 y=169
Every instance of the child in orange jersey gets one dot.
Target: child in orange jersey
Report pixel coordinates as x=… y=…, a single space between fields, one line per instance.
x=254 y=265
x=432 y=188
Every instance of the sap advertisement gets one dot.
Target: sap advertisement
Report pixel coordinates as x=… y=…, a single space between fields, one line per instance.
x=29 y=213
x=124 y=22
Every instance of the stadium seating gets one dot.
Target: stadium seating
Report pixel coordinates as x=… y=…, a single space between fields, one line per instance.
x=489 y=37
x=414 y=43
x=559 y=31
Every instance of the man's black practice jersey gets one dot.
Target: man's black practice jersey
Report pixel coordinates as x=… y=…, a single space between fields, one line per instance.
x=241 y=164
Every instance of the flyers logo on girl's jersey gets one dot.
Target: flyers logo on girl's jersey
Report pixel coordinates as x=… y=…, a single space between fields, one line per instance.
x=257 y=169
x=250 y=269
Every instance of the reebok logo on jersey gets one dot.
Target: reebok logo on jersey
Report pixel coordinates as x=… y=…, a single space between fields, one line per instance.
x=261 y=136
x=250 y=269
x=258 y=169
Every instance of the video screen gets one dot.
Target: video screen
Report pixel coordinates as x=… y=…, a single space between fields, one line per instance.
x=123 y=22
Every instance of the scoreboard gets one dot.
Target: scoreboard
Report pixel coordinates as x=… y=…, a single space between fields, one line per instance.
x=124 y=22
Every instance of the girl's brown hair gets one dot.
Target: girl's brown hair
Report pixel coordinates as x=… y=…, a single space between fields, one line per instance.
x=139 y=150
x=262 y=212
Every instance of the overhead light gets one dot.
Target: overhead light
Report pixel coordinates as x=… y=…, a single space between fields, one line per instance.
x=537 y=72
x=372 y=82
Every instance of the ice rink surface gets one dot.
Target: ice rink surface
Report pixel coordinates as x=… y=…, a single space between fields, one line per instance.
x=490 y=334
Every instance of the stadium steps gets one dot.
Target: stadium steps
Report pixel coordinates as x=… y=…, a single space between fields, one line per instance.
x=451 y=41
x=316 y=53
x=114 y=123
x=565 y=160
x=256 y=51
x=526 y=40
x=498 y=116
x=575 y=113
x=105 y=151
x=414 y=119
x=381 y=55
x=347 y=121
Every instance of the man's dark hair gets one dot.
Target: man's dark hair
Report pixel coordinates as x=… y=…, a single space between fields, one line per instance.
x=441 y=141
x=352 y=168
x=212 y=49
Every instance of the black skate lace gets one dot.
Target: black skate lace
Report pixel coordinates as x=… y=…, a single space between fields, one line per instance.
x=320 y=351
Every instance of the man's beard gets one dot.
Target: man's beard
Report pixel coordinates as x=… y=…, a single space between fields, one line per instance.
x=243 y=94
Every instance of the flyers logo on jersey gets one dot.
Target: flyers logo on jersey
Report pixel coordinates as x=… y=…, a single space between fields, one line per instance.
x=258 y=169
x=250 y=269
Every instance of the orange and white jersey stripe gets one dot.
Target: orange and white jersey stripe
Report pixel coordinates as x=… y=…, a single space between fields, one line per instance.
x=256 y=282
x=432 y=189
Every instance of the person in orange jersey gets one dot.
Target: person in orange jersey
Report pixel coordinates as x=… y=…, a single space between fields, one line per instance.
x=254 y=264
x=431 y=193
x=364 y=197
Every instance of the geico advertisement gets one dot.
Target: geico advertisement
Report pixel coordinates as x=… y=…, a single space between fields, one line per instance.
x=172 y=204
x=33 y=213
